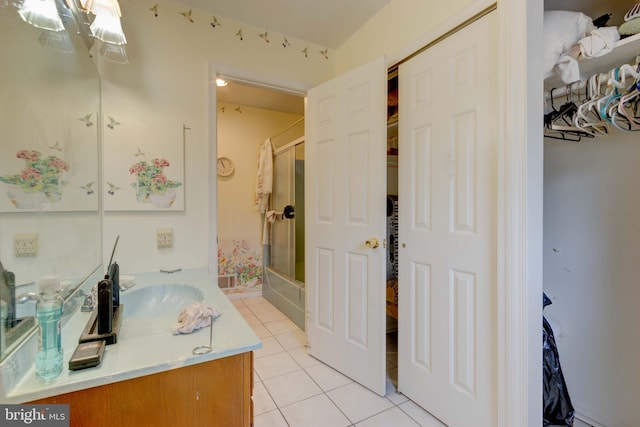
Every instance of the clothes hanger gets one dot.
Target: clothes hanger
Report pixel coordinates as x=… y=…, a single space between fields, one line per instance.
x=587 y=118
x=559 y=124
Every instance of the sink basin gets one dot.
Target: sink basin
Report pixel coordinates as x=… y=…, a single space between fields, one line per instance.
x=159 y=300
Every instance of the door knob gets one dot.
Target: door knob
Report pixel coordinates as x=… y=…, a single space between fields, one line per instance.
x=372 y=243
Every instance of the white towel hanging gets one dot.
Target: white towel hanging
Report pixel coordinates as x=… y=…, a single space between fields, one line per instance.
x=264 y=177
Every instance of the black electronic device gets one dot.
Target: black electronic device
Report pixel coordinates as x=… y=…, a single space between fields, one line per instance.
x=87 y=355
x=113 y=273
x=105 y=306
x=114 y=276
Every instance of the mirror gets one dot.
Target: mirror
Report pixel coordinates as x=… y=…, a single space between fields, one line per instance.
x=49 y=168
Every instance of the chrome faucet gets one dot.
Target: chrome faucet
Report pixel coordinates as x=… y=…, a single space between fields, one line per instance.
x=8 y=295
x=89 y=302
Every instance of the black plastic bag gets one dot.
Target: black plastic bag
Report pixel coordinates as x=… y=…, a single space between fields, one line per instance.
x=557 y=404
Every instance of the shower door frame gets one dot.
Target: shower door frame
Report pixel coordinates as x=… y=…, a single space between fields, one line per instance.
x=285 y=301
x=289 y=146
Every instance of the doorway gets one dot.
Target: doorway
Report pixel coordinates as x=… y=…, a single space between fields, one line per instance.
x=247 y=116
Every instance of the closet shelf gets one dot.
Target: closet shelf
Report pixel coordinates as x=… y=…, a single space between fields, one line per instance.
x=625 y=52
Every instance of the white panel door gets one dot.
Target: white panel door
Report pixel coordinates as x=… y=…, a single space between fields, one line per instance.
x=345 y=202
x=447 y=227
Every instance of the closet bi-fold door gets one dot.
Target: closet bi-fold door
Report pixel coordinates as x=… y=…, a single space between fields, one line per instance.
x=447 y=227
x=345 y=202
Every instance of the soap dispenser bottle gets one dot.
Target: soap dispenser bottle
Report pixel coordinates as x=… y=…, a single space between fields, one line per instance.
x=49 y=315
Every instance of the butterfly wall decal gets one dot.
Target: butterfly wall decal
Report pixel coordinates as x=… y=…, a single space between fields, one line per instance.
x=187 y=15
x=56 y=146
x=88 y=188
x=139 y=153
x=87 y=119
x=215 y=22
x=154 y=9
x=325 y=53
x=112 y=122
x=112 y=188
x=285 y=42
x=264 y=36
x=239 y=34
x=306 y=52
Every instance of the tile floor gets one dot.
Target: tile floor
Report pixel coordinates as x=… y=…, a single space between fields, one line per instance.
x=292 y=389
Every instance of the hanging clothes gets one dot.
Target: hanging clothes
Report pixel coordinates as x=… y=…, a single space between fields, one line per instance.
x=557 y=407
x=264 y=178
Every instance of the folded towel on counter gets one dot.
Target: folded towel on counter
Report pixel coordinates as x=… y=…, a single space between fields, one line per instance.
x=194 y=316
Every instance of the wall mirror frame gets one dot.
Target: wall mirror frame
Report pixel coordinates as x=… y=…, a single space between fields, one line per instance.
x=49 y=163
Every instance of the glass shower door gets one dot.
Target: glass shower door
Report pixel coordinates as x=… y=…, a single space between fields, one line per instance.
x=287 y=235
x=283 y=232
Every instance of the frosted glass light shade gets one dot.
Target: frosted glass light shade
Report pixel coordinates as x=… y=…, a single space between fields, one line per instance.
x=102 y=7
x=114 y=53
x=57 y=41
x=108 y=29
x=41 y=14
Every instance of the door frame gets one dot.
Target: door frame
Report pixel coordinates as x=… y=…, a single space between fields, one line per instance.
x=245 y=77
x=520 y=193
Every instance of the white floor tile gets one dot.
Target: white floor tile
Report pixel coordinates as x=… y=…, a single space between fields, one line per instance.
x=326 y=377
x=249 y=316
x=290 y=388
x=357 y=402
x=238 y=303
x=260 y=330
x=254 y=300
x=270 y=346
x=421 y=416
x=291 y=340
x=267 y=316
x=395 y=397
x=270 y=419
x=301 y=355
x=275 y=365
x=262 y=402
x=282 y=327
x=316 y=411
x=293 y=389
x=391 y=417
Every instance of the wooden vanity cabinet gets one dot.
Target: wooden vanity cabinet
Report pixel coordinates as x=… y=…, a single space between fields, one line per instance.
x=216 y=393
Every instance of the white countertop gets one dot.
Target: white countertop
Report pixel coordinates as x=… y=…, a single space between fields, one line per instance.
x=153 y=350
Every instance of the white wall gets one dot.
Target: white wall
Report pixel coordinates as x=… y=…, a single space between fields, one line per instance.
x=591 y=258
x=166 y=80
x=394 y=28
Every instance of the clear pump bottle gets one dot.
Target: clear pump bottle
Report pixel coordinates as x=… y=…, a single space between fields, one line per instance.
x=49 y=315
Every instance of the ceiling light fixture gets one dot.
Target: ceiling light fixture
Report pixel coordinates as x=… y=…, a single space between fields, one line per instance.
x=220 y=82
x=41 y=14
x=108 y=30
x=102 y=7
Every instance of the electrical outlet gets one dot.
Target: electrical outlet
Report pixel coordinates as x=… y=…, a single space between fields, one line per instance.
x=25 y=244
x=164 y=238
